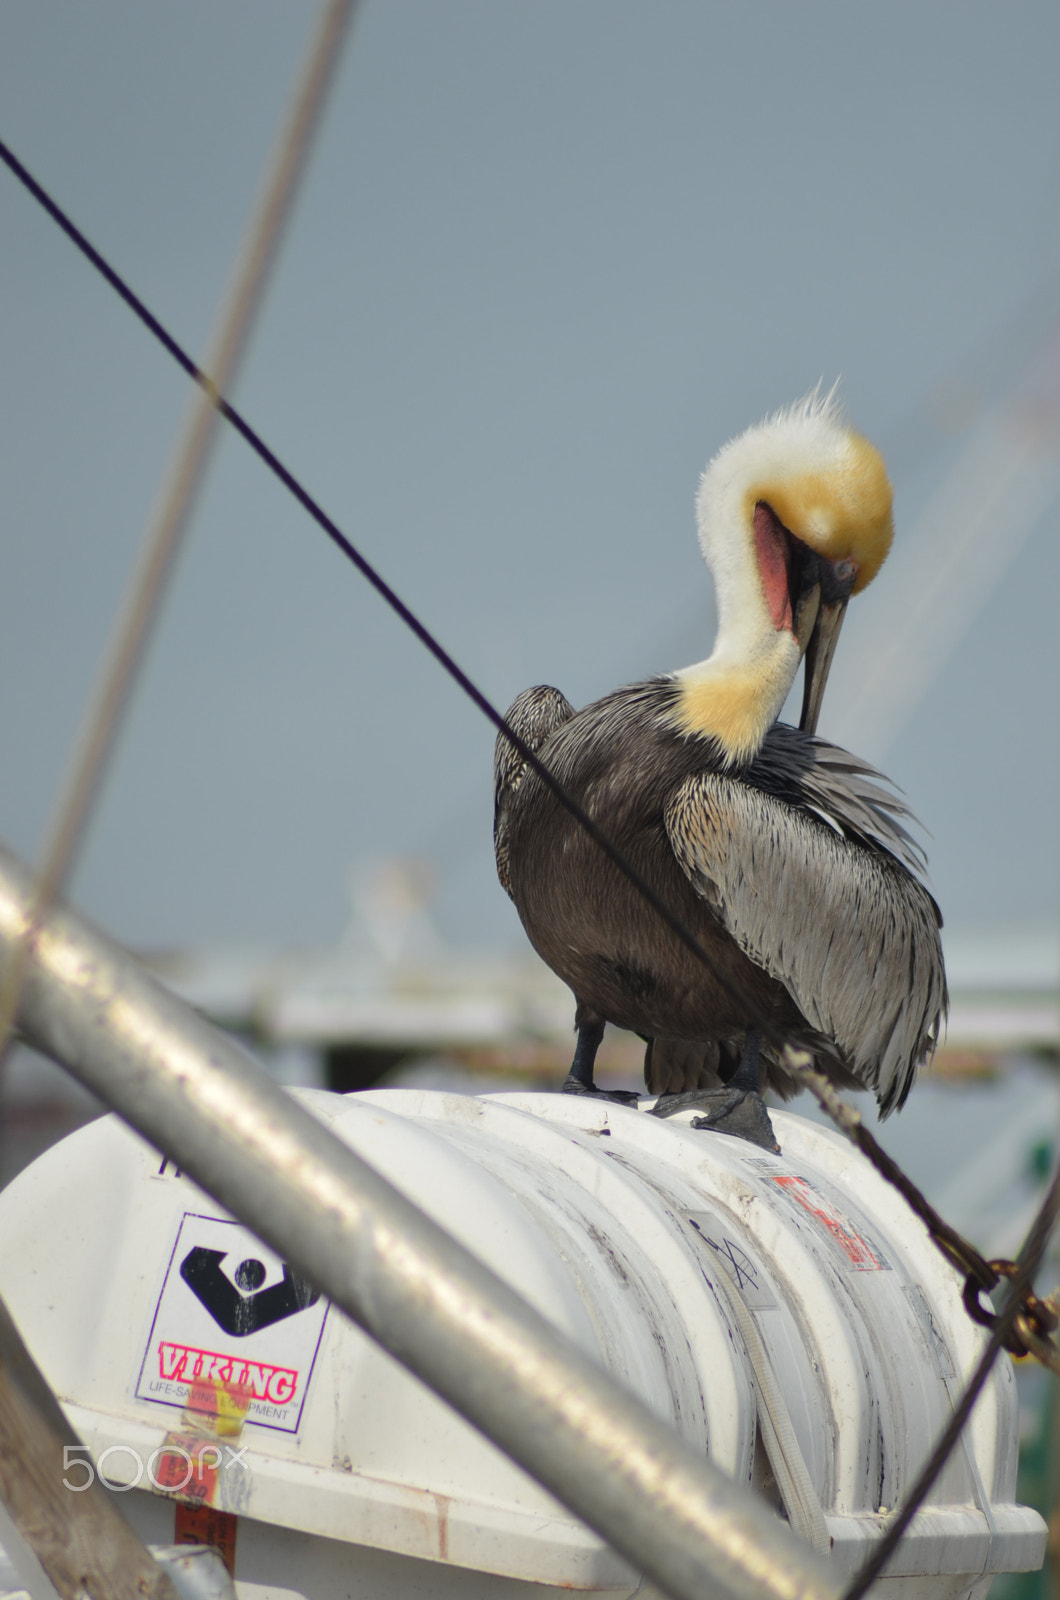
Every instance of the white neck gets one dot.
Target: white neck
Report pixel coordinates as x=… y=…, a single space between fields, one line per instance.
x=827 y=485
x=737 y=693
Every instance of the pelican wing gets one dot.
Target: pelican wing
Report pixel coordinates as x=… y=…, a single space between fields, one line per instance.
x=842 y=789
x=818 y=903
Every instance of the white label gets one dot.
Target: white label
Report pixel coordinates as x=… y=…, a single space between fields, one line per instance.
x=233 y=1324
x=743 y=1270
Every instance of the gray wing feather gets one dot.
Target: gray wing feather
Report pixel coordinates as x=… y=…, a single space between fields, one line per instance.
x=845 y=791
x=851 y=934
x=841 y=782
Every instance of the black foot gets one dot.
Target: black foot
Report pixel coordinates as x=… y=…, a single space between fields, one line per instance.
x=741 y=1112
x=622 y=1097
x=580 y=1077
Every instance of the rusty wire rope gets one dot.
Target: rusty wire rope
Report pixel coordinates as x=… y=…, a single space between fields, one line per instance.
x=1005 y=1326
x=1025 y=1324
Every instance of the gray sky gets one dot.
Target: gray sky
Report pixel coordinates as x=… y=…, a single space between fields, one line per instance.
x=549 y=256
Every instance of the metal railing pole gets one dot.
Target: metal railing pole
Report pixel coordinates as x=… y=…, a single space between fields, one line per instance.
x=200 y=1098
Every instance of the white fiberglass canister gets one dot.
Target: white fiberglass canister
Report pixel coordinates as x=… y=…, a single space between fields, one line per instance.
x=785 y=1313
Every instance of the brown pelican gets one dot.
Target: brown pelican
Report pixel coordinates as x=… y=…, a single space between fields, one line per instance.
x=779 y=851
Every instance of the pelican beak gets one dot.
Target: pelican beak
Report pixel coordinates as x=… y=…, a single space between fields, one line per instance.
x=835 y=583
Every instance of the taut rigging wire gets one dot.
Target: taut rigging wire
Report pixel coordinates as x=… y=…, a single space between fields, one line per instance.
x=382 y=588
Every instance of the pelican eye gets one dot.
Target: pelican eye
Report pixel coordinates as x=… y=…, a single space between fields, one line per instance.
x=838 y=579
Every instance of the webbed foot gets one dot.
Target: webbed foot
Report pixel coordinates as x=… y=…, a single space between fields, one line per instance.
x=736 y=1107
x=741 y=1112
x=622 y=1097
x=580 y=1077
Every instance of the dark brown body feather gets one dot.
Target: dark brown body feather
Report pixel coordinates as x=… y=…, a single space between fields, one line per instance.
x=794 y=873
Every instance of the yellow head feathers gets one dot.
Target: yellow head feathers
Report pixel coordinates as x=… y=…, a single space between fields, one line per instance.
x=841 y=508
x=826 y=483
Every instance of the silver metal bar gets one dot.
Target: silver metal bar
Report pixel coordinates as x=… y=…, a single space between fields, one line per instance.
x=202 y=1100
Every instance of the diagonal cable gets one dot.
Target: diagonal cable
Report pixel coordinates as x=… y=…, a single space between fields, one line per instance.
x=1015 y=1307
x=217 y=401
x=169 y=521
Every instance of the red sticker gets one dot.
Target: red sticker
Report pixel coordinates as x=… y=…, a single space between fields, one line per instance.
x=204 y=1525
x=858 y=1252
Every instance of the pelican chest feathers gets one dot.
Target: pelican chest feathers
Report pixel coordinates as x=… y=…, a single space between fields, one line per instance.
x=779 y=852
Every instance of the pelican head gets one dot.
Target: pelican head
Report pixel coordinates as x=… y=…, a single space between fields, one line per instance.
x=794 y=517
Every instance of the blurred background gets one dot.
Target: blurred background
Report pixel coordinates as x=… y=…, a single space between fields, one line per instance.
x=547 y=258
